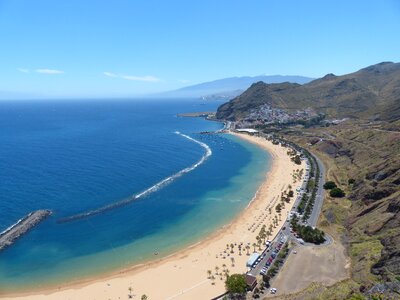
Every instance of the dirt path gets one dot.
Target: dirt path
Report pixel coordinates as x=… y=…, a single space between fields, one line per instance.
x=324 y=264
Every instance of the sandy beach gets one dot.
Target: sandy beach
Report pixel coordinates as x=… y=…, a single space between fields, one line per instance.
x=184 y=275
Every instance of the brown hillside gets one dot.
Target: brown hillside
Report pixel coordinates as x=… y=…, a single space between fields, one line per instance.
x=370 y=93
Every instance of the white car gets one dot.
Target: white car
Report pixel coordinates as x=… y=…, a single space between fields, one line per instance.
x=273 y=290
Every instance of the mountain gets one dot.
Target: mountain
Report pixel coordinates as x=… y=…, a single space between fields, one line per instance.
x=230 y=87
x=372 y=92
x=361 y=155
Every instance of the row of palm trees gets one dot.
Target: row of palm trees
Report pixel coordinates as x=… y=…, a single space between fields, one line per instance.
x=297 y=175
x=224 y=273
x=241 y=248
x=130 y=296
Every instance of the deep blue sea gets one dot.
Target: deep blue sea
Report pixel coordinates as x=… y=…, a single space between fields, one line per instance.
x=75 y=157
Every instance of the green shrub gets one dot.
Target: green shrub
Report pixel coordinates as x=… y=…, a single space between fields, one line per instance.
x=236 y=284
x=351 y=181
x=329 y=185
x=337 y=193
x=311 y=235
x=297 y=160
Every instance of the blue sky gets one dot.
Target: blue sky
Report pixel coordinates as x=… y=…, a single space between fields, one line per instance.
x=128 y=47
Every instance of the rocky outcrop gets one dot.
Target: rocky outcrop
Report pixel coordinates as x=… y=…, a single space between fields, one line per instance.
x=11 y=234
x=389 y=263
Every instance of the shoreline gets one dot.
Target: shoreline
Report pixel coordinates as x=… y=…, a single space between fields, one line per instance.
x=211 y=243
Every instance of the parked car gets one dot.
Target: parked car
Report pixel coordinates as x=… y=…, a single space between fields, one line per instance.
x=301 y=241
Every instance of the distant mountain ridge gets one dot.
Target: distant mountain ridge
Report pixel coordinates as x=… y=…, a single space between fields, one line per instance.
x=372 y=92
x=231 y=86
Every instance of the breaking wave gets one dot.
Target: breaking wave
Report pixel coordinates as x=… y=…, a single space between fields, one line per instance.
x=148 y=191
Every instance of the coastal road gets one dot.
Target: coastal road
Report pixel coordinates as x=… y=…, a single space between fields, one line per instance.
x=285 y=230
x=319 y=198
x=268 y=251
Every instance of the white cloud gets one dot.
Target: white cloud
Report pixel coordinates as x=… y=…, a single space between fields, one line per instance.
x=134 y=78
x=109 y=74
x=184 y=80
x=23 y=70
x=48 y=71
x=141 y=78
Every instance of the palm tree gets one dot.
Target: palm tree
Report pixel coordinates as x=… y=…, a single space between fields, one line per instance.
x=254 y=247
x=232 y=246
x=212 y=280
x=216 y=270
x=233 y=261
x=259 y=244
x=223 y=267
x=248 y=248
x=209 y=274
x=268 y=234
x=264 y=236
x=144 y=297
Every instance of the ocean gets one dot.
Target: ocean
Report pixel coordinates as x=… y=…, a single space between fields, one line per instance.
x=125 y=179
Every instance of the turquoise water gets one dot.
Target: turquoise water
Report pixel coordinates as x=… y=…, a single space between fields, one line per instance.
x=80 y=156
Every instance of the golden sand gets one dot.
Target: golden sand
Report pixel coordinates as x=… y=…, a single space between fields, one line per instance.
x=184 y=275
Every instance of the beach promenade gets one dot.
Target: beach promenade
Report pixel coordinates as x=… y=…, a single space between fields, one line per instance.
x=198 y=272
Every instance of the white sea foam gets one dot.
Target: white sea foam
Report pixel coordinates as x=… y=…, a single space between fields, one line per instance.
x=11 y=227
x=169 y=179
x=151 y=189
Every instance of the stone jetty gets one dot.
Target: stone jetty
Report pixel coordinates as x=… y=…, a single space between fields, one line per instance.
x=12 y=233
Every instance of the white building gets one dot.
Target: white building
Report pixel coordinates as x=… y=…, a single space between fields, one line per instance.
x=247 y=130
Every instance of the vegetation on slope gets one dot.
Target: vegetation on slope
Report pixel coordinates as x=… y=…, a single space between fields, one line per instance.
x=362 y=155
x=368 y=93
x=365 y=161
